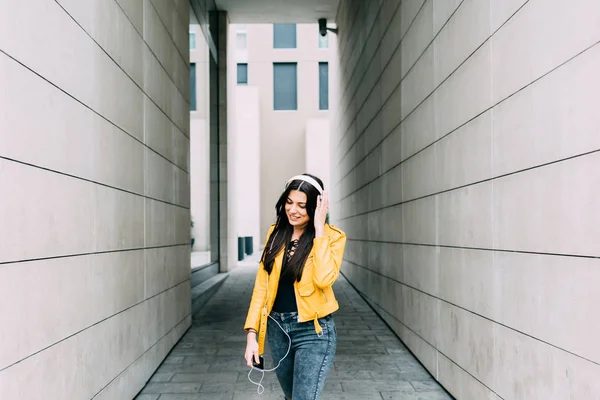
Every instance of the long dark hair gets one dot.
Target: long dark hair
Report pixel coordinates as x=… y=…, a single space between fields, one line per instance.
x=282 y=234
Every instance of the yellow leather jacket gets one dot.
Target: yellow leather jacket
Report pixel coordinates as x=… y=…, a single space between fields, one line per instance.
x=314 y=295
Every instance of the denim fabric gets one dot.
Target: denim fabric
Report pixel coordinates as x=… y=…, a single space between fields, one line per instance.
x=303 y=372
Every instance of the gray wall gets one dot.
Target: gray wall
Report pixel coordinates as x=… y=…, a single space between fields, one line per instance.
x=468 y=181
x=94 y=238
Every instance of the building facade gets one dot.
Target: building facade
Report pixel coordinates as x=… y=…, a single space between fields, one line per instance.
x=283 y=77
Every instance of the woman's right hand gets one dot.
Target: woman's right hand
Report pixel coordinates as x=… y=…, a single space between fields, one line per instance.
x=251 y=349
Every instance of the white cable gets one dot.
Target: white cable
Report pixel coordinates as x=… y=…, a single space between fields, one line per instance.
x=260 y=389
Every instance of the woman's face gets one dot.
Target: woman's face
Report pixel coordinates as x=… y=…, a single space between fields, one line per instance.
x=295 y=208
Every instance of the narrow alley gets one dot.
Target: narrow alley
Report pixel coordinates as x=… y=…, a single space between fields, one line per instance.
x=208 y=364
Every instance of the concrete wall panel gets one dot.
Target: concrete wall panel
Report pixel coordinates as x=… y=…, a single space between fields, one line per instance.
x=467 y=192
x=95 y=201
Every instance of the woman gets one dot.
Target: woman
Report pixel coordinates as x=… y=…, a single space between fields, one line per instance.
x=299 y=264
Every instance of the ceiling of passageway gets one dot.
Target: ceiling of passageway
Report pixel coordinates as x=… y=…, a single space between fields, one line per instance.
x=278 y=11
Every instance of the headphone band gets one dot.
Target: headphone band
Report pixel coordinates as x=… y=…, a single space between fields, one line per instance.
x=308 y=179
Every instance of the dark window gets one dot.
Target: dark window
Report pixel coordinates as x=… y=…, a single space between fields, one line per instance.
x=323 y=86
x=284 y=36
x=193 y=87
x=285 y=87
x=242 y=74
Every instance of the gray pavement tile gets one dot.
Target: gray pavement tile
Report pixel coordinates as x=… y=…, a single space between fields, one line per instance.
x=361 y=333
x=234 y=350
x=352 y=396
x=256 y=396
x=206 y=377
x=174 y=368
x=176 y=388
x=410 y=365
x=171 y=359
x=196 y=349
x=357 y=338
x=161 y=377
x=218 y=388
x=147 y=397
x=416 y=396
x=336 y=375
x=426 y=386
x=374 y=386
x=396 y=350
x=371 y=366
x=361 y=351
x=200 y=396
x=331 y=386
x=355 y=344
x=239 y=365
x=234 y=339
x=369 y=358
x=386 y=338
x=402 y=376
x=207 y=363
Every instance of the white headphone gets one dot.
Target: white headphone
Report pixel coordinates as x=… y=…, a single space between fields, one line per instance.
x=308 y=179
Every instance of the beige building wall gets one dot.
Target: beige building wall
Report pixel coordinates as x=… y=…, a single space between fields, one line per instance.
x=468 y=186
x=94 y=211
x=318 y=149
x=247 y=162
x=283 y=133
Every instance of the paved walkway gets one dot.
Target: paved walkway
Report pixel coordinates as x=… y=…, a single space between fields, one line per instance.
x=208 y=362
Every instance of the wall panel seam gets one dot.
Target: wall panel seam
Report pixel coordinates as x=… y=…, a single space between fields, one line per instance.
x=169 y=33
x=461 y=126
x=94 y=324
x=474 y=183
x=419 y=336
x=397 y=48
x=426 y=98
x=402 y=79
x=349 y=28
x=475 y=314
x=93 y=181
x=362 y=51
x=143 y=354
x=446 y=246
x=119 y=65
x=98 y=113
x=93 y=253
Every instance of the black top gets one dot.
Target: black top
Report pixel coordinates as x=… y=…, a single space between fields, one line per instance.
x=285 y=300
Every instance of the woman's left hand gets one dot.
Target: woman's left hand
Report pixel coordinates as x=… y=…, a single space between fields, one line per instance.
x=321 y=213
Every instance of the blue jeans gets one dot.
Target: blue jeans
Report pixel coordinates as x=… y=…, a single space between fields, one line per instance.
x=303 y=372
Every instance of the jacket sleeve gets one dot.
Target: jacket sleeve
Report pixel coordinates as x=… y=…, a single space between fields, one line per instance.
x=328 y=256
x=259 y=294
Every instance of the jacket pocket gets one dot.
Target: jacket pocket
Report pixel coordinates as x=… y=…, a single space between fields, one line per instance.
x=307 y=289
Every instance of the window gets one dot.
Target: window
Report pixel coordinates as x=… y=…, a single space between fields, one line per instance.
x=284 y=36
x=323 y=86
x=285 y=86
x=193 y=87
x=242 y=74
x=241 y=40
x=324 y=41
x=192 y=40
